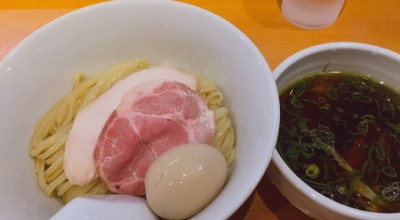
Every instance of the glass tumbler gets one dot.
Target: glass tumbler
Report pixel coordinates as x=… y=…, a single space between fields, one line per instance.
x=311 y=14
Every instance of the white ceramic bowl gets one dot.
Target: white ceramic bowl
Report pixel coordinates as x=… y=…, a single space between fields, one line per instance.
x=39 y=70
x=346 y=56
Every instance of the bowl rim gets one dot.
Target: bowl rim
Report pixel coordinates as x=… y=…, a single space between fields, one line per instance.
x=103 y=4
x=345 y=45
x=281 y=165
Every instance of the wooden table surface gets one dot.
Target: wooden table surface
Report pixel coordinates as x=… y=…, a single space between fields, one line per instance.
x=368 y=21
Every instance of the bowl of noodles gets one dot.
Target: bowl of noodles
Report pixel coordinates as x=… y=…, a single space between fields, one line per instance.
x=337 y=149
x=65 y=67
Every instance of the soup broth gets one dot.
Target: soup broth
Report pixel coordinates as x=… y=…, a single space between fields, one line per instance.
x=340 y=133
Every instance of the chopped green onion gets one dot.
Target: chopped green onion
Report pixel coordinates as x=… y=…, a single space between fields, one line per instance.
x=342 y=189
x=368 y=118
x=387 y=113
x=395 y=127
x=312 y=171
x=370 y=162
x=303 y=126
x=364 y=168
x=360 y=97
x=296 y=102
x=389 y=172
x=326 y=170
x=381 y=146
x=308 y=151
x=362 y=86
x=325 y=106
x=331 y=93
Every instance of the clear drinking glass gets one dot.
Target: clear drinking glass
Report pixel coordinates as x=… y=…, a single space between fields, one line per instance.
x=311 y=14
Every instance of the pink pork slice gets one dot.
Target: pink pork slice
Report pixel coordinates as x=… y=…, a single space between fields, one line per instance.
x=79 y=164
x=151 y=119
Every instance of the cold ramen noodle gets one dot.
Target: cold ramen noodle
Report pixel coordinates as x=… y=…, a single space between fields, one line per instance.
x=340 y=133
x=164 y=108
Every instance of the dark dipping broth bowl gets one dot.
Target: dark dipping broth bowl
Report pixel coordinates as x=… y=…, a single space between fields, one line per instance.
x=322 y=128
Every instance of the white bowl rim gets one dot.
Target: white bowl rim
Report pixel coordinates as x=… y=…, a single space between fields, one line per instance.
x=287 y=172
x=331 y=47
x=61 y=18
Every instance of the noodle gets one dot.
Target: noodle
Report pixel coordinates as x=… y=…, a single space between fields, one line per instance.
x=224 y=136
x=52 y=129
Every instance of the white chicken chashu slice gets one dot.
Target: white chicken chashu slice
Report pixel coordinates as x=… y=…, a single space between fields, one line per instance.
x=79 y=163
